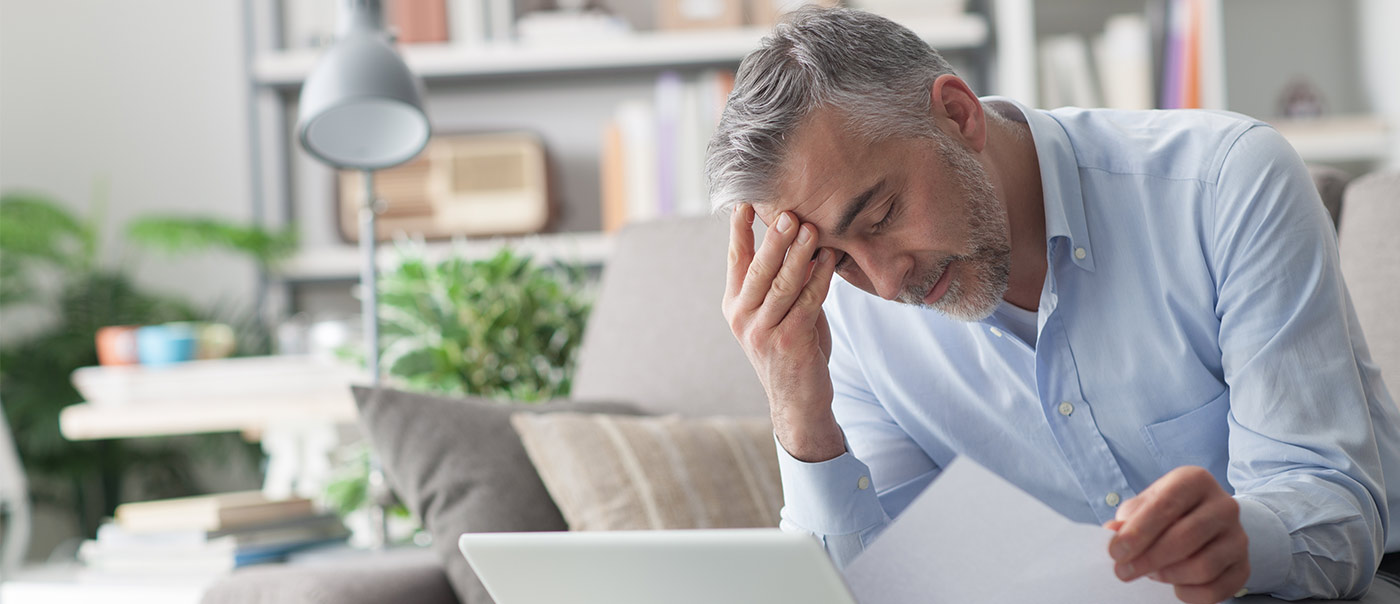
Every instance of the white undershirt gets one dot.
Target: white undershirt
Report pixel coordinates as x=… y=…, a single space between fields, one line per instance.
x=1019 y=321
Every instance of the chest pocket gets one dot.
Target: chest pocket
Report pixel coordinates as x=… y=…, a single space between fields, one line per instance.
x=1197 y=438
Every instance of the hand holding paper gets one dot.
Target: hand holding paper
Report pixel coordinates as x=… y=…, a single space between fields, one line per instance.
x=1183 y=530
x=973 y=537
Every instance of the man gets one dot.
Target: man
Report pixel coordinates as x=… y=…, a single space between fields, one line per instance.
x=1135 y=316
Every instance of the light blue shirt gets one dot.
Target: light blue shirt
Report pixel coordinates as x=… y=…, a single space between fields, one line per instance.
x=1193 y=313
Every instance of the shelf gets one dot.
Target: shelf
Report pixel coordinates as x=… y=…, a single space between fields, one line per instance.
x=1337 y=139
x=249 y=394
x=633 y=51
x=342 y=263
x=87 y=421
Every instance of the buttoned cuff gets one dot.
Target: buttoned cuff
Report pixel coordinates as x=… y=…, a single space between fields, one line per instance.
x=832 y=497
x=1270 y=551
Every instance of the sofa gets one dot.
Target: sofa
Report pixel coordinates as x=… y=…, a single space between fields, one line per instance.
x=657 y=341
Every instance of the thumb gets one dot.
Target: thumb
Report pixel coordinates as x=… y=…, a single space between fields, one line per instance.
x=1127 y=509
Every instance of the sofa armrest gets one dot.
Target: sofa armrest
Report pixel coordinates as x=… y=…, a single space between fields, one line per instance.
x=373 y=578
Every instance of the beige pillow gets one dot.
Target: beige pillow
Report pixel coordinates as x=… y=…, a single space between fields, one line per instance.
x=618 y=473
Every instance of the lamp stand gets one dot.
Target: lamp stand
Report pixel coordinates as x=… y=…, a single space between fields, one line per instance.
x=378 y=492
x=369 y=279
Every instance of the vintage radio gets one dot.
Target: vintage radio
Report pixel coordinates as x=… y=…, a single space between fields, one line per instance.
x=461 y=184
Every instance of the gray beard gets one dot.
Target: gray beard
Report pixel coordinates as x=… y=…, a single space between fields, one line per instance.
x=978 y=297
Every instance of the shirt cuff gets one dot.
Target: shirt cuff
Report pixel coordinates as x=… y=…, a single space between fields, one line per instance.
x=832 y=497
x=1269 y=547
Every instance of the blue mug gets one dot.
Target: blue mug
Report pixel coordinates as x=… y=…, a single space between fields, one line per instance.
x=165 y=344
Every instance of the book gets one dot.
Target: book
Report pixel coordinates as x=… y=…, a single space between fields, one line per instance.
x=500 y=21
x=466 y=22
x=1066 y=73
x=1123 y=54
x=636 y=120
x=212 y=557
x=614 y=178
x=321 y=526
x=117 y=549
x=209 y=512
x=419 y=21
x=693 y=135
x=668 y=98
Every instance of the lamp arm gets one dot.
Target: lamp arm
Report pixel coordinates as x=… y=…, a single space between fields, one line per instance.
x=359 y=15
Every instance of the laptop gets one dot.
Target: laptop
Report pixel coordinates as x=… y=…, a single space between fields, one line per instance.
x=731 y=566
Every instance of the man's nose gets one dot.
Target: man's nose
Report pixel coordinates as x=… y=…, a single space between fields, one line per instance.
x=886 y=276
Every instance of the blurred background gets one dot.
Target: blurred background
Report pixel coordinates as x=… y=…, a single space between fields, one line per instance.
x=152 y=177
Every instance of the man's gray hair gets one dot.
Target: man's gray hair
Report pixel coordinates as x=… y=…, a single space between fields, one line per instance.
x=877 y=73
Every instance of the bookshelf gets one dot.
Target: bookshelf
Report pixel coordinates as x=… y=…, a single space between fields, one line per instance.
x=639 y=50
x=343 y=263
x=1340 y=139
x=1251 y=50
x=564 y=93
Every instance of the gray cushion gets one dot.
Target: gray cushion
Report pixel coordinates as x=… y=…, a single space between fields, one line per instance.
x=458 y=464
x=1370 y=254
x=366 y=578
x=657 y=336
x=1331 y=183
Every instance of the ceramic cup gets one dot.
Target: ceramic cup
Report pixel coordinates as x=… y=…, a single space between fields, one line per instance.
x=116 y=345
x=165 y=344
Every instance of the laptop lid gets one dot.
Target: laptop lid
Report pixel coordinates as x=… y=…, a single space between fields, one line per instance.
x=737 y=566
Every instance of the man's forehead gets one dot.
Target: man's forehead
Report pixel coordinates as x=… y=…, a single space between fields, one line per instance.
x=820 y=173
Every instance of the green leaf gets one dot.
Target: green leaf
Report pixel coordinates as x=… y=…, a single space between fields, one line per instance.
x=32 y=225
x=503 y=327
x=183 y=234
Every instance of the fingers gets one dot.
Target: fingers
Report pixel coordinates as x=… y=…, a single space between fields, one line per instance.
x=1226 y=586
x=1183 y=530
x=1190 y=537
x=1159 y=506
x=791 y=278
x=767 y=260
x=740 y=249
x=1207 y=564
x=807 y=309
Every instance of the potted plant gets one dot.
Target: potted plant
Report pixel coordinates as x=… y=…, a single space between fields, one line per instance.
x=505 y=328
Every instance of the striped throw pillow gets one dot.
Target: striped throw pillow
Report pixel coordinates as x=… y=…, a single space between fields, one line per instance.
x=608 y=472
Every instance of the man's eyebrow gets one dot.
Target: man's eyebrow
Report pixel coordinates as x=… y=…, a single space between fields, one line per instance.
x=857 y=206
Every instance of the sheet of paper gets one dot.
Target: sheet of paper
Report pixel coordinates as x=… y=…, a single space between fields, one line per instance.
x=973 y=537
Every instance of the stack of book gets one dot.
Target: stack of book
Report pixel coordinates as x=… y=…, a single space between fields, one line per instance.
x=210 y=533
x=653 y=152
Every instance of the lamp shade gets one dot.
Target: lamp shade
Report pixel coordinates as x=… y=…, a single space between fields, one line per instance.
x=361 y=107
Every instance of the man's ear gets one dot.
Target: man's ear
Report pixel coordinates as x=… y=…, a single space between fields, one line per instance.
x=957 y=111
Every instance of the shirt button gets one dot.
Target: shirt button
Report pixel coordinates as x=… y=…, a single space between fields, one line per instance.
x=863 y=483
x=1112 y=500
x=1080 y=253
x=1065 y=409
x=996 y=332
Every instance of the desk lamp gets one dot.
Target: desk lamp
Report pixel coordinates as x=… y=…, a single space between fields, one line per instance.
x=362 y=109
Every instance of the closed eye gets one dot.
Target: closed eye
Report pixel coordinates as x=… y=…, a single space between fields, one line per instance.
x=884 y=223
x=889 y=215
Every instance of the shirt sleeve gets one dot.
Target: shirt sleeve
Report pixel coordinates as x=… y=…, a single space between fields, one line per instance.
x=1304 y=461
x=844 y=502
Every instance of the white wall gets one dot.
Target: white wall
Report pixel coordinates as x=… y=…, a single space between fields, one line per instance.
x=144 y=98
x=1380 y=64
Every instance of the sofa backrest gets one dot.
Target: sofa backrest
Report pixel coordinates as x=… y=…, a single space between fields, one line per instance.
x=1369 y=244
x=657 y=337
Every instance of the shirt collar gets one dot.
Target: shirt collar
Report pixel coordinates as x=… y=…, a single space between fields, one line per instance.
x=1059 y=180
